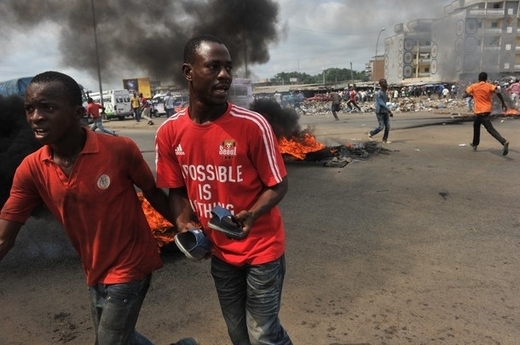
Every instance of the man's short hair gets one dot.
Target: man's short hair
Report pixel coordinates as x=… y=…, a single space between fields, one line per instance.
x=482 y=76
x=71 y=87
x=193 y=44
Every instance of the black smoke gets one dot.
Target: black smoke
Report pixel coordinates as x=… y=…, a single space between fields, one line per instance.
x=136 y=37
x=16 y=141
x=283 y=120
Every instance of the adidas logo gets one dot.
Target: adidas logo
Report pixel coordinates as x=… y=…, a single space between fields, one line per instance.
x=179 y=151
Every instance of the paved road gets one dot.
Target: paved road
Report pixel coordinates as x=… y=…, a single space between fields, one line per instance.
x=418 y=244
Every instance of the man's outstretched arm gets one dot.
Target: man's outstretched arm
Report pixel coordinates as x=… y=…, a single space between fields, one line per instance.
x=8 y=232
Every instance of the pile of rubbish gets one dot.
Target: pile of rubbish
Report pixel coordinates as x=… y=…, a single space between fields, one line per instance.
x=409 y=104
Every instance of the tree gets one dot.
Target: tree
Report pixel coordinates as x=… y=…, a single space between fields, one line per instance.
x=335 y=75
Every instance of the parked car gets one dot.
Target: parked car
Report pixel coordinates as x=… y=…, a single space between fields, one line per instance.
x=158 y=103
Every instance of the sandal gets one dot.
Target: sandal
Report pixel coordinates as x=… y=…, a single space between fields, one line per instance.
x=224 y=221
x=193 y=243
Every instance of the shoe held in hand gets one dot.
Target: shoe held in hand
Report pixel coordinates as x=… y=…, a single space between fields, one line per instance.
x=193 y=243
x=224 y=221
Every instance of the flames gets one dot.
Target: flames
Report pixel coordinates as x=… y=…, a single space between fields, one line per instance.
x=299 y=147
x=511 y=112
x=161 y=228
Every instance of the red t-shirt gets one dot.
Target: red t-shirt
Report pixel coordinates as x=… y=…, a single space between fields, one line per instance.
x=145 y=103
x=227 y=162
x=352 y=95
x=97 y=206
x=93 y=109
x=482 y=96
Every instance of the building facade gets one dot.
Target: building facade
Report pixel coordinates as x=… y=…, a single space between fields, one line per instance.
x=473 y=36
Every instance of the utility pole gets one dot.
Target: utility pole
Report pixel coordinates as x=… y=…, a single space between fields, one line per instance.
x=97 y=52
x=351 y=74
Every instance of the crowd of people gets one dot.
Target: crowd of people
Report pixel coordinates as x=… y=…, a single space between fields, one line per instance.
x=88 y=183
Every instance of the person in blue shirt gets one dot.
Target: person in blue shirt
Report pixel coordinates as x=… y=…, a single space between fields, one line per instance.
x=298 y=100
x=383 y=113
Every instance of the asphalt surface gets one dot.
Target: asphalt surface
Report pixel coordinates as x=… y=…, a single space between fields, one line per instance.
x=416 y=244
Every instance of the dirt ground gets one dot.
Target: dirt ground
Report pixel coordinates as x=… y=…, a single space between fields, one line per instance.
x=418 y=244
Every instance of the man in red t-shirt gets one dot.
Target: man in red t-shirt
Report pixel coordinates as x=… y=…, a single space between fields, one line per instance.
x=352 y=99
x=216 y=153
x=93 y=111
x=482 y=93
x=87 y=181
x=146 y=106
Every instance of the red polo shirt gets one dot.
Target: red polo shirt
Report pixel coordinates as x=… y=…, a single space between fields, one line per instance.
x=97 y=206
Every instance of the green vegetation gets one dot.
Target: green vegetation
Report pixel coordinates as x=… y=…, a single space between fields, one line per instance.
x=331 y=75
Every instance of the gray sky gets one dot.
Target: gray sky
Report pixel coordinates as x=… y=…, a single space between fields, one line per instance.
x=313 y=35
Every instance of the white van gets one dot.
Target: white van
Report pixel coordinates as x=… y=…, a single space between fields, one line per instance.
x=116 y=103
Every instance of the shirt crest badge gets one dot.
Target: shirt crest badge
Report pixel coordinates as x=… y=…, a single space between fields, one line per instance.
x=103 y=182
x=228 y=149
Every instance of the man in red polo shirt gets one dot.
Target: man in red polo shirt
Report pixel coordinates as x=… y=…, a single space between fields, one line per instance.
x=87 y=182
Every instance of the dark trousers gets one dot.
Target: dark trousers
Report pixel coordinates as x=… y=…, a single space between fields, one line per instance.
x=483 y=119
x=335 y=108
x=352 y=104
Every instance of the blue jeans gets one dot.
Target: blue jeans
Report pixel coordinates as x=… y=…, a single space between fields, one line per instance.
x=115 y=309
x=137 y=114
x=98 y=123
x=250 y=298
x=169 y=112
x=384 y=123
x=469 y=102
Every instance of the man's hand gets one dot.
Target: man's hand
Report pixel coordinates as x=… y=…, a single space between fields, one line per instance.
x=391 y=114
x=246 y=220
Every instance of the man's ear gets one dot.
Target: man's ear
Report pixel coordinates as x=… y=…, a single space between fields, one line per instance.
x=80 y=112
x=186 y=71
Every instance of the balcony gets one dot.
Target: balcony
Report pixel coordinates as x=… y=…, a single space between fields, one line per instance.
x=492 y=31
x=490 y=13
x=491 y=48
x=423 y=61
x=422 y=49
x=467 y=3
